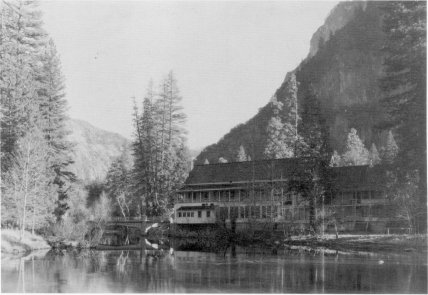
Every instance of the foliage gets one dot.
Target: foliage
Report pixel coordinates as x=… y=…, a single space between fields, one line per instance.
x=32 y=101
x=335 y=160
x=374 y=158
x=356 y=153
x=404 y=90
x=241 y=156
x=26 y=188
x=404 y=195
x=282 y=136
x=118 y=186
x=159 y=148
x=390 y=151
x=222 y=160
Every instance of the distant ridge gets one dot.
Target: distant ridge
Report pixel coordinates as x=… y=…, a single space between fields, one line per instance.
x=94 y=151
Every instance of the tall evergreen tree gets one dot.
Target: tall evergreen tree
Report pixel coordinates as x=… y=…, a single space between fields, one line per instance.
x=52 y=109
x=404 y=84
x=161 y=155
x=282 y=131
x=374 y=158
x=241 y=156
x=390 y=151
x=356 y=153
x=22 y=39
x=404 y=87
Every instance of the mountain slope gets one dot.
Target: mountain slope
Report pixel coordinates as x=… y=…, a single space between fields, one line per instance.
x=342 y=69
x=94 y=150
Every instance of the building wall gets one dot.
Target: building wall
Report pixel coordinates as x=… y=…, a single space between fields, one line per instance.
x=358 y=209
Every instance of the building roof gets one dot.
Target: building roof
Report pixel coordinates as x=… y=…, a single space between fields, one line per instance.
x=226 y=174
x=246 y=171
x=358 y=176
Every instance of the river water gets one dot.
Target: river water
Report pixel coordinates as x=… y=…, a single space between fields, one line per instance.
x=231 y=270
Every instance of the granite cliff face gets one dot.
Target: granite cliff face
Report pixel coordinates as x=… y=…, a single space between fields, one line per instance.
x=342 y=69
x=94 y=150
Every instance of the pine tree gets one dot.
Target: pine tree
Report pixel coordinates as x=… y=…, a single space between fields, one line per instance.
x=356 y=153
x=22 y=38
x=390 y=151
x=313 y=138
x=160 y=151
x=206 y=162
x=241 y=156
x=52 y=109
x=404 y=84
x=335 y=160
x=404 y=88
x=374 y=158
x=278 y=140
x=118 y=185
x=282 y=130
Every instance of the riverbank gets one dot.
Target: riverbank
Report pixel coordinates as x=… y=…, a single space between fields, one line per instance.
x=12 y=244
x=372 y=243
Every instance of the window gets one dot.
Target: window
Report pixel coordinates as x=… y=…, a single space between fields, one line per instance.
x=191 y=214
x=205 y=196
x=233 y=212
x=208 y=213
x=269 y=211
x=263 y=211
x=287 y=200
x=194 y=197
x=179 y=214
x=242 y=212
x=199 y=214
x=366 y=195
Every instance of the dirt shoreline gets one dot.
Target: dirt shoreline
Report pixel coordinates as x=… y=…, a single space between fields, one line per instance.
x=371 y=243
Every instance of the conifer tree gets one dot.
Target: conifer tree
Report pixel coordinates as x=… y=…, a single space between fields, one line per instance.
x=206 y=162
x=404 y=89
x=356 y=153
x=390 y=151
x=161 y=155
x=404 y=84
x=282 y=129
x=335 y=160
x=22 y=38
x=242 y=156
x=374 y=158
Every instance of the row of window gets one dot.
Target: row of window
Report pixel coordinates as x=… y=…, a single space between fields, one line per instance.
x=299 y=213
x=233 y=196
x=260 y=195
x=191 y=214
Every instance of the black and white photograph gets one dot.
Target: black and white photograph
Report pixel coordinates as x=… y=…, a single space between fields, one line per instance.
x=209 y=146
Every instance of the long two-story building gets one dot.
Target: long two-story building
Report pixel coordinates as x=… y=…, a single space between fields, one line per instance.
x=266 y=194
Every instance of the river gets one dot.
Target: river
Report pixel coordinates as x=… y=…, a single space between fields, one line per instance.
x=232 y=270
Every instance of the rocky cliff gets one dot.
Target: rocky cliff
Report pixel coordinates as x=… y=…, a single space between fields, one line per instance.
x=342 y=69
x=94 y=150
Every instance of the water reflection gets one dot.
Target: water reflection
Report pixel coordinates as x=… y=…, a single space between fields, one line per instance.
x=156 y=267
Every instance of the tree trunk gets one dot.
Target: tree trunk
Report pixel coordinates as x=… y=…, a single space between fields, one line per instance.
x=25 y=194
x=33 y=222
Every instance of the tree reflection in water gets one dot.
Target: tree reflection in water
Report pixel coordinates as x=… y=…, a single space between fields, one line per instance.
x=155 y=267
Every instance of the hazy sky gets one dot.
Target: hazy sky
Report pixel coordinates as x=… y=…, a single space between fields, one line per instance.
x=228 y=57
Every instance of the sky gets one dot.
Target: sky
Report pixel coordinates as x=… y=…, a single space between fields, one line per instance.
x=229 y=57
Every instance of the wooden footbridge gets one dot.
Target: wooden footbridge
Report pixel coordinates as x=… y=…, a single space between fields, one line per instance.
x=144 y=223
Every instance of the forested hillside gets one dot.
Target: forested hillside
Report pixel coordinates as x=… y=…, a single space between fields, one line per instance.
x=341 y=74
x=94 y=150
